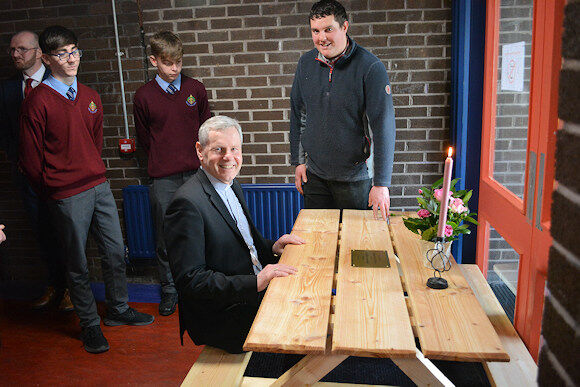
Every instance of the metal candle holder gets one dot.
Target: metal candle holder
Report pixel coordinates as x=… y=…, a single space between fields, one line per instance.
x=440 y=263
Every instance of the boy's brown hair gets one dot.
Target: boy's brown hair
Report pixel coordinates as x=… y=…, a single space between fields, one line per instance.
x=166 y=45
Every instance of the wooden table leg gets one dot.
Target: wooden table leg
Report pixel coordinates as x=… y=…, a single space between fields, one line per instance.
x=422 y=371
x=309 y=370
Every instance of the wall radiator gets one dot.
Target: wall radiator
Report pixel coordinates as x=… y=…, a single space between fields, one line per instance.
x=138 y=222
x=273 y=208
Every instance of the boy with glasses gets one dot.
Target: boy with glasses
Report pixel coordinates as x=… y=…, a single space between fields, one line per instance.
x=168 y=113
x=60 y=152
x=27 y=59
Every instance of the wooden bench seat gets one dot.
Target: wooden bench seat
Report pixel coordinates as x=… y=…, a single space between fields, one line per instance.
x=521 y=370
x=215 y=367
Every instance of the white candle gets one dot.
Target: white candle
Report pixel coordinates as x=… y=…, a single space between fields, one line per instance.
x=445 y=198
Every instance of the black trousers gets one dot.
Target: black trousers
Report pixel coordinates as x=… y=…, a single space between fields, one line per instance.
x=321 y=193
x=44 y=230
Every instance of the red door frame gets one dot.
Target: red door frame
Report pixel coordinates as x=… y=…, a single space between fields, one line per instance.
x=497 y=205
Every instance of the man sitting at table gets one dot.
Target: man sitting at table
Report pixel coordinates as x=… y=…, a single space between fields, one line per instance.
x=220 y=262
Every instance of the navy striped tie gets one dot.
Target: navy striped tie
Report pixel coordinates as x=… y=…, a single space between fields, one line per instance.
x=171 y=89
x=70 y=93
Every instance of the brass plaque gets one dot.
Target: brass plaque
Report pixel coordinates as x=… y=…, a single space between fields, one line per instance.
x=369 y=258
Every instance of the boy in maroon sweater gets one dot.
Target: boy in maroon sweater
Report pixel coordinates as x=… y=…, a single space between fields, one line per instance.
x=168 y=113
x=60 y=152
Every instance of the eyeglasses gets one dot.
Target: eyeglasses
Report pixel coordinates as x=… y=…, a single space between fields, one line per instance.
x=19 y=50
x=64 y=56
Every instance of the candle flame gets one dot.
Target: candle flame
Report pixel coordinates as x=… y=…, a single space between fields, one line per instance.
x=450 y=152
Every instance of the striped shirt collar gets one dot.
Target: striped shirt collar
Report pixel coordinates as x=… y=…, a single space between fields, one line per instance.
x=61 y=87
x=164 y=84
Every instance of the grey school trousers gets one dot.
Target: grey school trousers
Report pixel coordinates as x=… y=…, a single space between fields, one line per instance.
x=94 y=210
x=161 y=192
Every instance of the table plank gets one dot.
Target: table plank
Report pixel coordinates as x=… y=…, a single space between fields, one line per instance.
x=216 y=367
x=451 y=324
x=371 y=317
x=521 y=369
x=294 y=315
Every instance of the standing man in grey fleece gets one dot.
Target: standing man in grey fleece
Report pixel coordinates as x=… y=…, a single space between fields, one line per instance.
x=342 y=121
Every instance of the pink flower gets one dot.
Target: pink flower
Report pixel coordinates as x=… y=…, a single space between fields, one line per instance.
x=438 y=193
x=423 y=213
x=456 y=205
x=448 y=230
x=420 y=192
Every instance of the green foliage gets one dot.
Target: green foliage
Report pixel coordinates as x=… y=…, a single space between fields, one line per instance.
x=457 y=213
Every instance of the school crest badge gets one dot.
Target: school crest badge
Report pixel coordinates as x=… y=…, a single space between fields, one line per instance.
x=388 y=89
x=93 y=107
x=190 y=101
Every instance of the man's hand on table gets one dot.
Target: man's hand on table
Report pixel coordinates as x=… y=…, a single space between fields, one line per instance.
x=284 y=240
x=379 y=199
x=278 y=270
x=300 y=177
x=273 y=271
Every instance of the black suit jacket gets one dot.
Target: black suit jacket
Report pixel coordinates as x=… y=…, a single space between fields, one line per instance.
x=211 y=265
x=10 y=100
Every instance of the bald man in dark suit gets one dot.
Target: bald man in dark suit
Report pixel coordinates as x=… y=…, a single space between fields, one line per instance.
x=26 y=57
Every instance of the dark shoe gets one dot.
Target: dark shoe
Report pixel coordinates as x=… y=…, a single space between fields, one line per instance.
x=128 y=317
x=66 y=304
x=168 y=304
x=47 y=298
x=94 y=340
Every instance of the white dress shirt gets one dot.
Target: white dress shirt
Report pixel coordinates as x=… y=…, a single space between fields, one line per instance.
x=235 y=208
x=36 y=78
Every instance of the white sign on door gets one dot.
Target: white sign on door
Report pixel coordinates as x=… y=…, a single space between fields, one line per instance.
x=512 y=66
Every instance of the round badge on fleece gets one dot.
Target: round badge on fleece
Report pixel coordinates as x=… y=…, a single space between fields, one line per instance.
x=388 y=89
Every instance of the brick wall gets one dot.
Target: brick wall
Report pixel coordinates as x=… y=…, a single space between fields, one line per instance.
x=558 y=362
x=245 y=52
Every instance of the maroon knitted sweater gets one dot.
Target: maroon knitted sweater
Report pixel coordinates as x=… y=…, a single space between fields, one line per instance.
x=167 y=125
x=61 y=141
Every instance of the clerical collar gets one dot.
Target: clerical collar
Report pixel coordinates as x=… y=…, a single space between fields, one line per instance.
x=217 y=183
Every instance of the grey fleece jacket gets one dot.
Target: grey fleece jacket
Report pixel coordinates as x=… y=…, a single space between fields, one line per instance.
x=332 y=110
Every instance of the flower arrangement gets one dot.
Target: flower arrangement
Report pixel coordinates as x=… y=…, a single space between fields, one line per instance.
x=428 y=216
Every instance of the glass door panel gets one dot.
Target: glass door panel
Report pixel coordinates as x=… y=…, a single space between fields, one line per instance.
x=502 y=271
x=513 y=94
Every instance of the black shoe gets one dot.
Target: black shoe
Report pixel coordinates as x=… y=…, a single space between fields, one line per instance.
x=94 y=340
x=168 y=304
x=128 y=317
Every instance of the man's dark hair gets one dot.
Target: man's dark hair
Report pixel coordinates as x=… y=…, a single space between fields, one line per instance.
x=325 y=8
x=54 y=37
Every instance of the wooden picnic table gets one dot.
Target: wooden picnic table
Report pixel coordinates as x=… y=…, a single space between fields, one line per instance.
x=377 y=312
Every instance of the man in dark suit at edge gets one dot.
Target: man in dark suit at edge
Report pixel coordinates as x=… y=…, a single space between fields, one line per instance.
x=220 y=262
x=26 y=56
